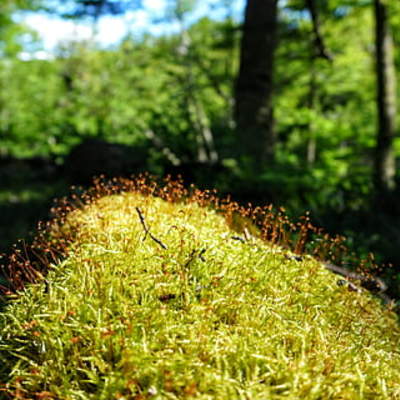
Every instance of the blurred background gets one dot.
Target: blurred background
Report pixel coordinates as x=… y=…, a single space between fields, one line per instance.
x=291 y=102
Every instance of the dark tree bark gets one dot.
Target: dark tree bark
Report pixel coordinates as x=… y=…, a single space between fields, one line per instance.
x=319 y=50
x=386 y=103
x=319 y=45
x=254 y=85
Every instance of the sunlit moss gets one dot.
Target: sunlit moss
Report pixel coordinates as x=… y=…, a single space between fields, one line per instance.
x=163 y=300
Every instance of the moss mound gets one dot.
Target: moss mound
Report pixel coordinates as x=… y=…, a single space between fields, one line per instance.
x=163 y=300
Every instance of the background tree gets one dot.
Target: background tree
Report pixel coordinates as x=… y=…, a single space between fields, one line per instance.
x=385 y=168
x=185 y=55
x=254 y=84
x=319 y=43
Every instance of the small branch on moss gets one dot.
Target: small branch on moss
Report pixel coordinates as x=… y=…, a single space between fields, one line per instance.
x=240 y=239
x=202 y=251
x=143 y=222
x=371 y=283
x=193 y=255
x=147 y=230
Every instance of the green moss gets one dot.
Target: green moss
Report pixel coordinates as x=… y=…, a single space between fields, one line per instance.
x=208 y=317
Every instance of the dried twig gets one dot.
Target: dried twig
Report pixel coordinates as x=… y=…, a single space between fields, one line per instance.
x=240 y=239
x=202 y=251
x=372 y=283
x=143 y=222
x=193 y=255
x=190 y=259
x=147 y=230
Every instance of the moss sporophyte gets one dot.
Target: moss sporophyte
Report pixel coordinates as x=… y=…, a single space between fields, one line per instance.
x=143 y=291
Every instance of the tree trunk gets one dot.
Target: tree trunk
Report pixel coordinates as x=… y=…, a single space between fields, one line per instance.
x=311 y=104
x=318 y=50
x=319 y=45
x=254 y=85
x=386 y=103
x=206 y=152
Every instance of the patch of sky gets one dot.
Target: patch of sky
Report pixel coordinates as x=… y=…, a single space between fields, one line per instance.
x=151 y=18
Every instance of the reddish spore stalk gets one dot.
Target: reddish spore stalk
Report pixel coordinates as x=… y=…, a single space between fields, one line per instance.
x=30 y=263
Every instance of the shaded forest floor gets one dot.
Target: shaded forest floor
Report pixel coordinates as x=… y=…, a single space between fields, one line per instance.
x=23 y=205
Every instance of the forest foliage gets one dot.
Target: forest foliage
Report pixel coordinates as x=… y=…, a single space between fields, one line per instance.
x=141 y=84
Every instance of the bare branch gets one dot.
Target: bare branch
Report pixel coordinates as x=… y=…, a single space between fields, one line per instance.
x=147 y=230
x=320 y=47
